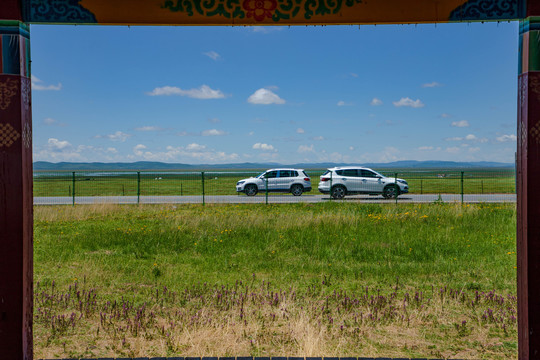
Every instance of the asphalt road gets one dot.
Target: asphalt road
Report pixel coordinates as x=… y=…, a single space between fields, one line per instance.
x=274 y=199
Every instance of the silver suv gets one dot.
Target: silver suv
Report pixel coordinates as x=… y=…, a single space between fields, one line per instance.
x=295 y=181
x=350 y=180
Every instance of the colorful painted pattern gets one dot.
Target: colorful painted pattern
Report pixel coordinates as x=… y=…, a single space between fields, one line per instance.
x=14 y=50
x=254 y=12
x=475 y=10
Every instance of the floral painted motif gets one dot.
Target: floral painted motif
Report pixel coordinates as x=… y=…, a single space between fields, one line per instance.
x=8 y=89
x=259 y=9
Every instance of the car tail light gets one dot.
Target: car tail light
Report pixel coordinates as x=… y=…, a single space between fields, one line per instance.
x=307 y=179
x=325 y=179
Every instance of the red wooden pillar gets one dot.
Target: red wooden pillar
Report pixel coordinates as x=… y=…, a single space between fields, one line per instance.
x=15 y=187
x=528 y=184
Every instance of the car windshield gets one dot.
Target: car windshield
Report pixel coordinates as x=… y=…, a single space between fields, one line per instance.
x=379 y=174
x=261 y=175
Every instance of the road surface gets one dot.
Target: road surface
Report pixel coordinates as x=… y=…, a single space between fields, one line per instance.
x=273 y=199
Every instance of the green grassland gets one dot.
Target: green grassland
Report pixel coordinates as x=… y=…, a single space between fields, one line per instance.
x=478 y=181
x=417 y=280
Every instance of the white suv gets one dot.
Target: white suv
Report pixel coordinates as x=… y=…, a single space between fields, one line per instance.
x=295 y=181
x=349 y=180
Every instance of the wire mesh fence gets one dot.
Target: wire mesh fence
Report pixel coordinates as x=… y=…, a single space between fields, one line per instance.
x=274 y=186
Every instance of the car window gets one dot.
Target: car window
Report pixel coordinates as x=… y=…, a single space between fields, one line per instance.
x=325 y=173
x=368 y=174
x=306 y=175
x=350 y=172
x=284 y=173
x=271 y=174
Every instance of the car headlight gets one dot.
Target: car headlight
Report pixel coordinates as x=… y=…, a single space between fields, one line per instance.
x=402 y=181
x=240 y=182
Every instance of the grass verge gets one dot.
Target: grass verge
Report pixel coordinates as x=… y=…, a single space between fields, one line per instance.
x=330 y=279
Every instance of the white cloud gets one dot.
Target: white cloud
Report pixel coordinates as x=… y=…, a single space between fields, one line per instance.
x=52 y=122
x=117 y=136
x=300 y=131
x=408 y=102
x=212 y=55
x=318 y=138
x=474 y=149
x=37 y=85
x=445 y=115
x=452 y=150
x=506 y=138
x=203 y=93
x=263 y=147
x=191 y=153
x=306 y=148
x=431 y=85
x=213 y=132
x=214 y=120
x=455 y=138
x=376 y=102
x=341 y=103
x=149 y=128
x=354 y=75
x=63 y=150
x=425 y=148
x=57 y=145
x=470 y=137
x=251 y=133
x=195 y=147
x=461 y=123
x=351 y=148
x=266 y=29
x=265 y=97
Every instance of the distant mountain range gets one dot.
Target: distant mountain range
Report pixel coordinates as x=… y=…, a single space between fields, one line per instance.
x=152 y=165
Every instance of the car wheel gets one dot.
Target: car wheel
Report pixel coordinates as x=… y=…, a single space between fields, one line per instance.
x=297 y=190
x=338 y=192
x=251 y=190
x=390 y=192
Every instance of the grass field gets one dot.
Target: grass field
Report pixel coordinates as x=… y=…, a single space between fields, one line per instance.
x=434 y=280
x=478 y=181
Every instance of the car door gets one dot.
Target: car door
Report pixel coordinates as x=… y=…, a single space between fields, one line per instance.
x=284 y=180
x=349 y=178
x=371 y=182
x=271 y=177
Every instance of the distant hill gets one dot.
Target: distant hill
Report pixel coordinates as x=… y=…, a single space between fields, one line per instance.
x=152 y=165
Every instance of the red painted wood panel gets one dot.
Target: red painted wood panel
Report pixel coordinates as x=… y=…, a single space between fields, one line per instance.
x=10 y=10
x=16 y=239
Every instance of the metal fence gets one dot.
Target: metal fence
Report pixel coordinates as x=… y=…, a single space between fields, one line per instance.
x=135 y=187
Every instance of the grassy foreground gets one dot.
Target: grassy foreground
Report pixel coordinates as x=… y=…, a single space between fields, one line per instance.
x=333 y=279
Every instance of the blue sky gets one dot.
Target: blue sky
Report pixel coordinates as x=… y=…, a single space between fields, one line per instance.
x=210 y=95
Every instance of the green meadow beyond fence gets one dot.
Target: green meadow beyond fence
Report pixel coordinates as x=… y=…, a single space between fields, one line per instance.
x=73 y=187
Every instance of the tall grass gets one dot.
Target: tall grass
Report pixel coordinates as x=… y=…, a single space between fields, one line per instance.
x=176 y=262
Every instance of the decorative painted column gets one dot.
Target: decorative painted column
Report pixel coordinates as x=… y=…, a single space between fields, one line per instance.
x=16 y=270
x=528 y=185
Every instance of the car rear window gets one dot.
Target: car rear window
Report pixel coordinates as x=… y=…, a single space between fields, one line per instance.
x=306 y=175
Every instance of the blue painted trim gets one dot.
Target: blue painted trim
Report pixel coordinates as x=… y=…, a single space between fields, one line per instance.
x=59 y=11
x=488 y=10
x=14 y=30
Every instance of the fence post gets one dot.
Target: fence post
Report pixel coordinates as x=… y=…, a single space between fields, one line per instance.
x=396 y=186
x=462 y=187
x=202 y=179
x=266 y=189
x=482 y=181
x=330 y=188
x=421 y=186
x=73 y=192
x=181 y=190
x=138 y=187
